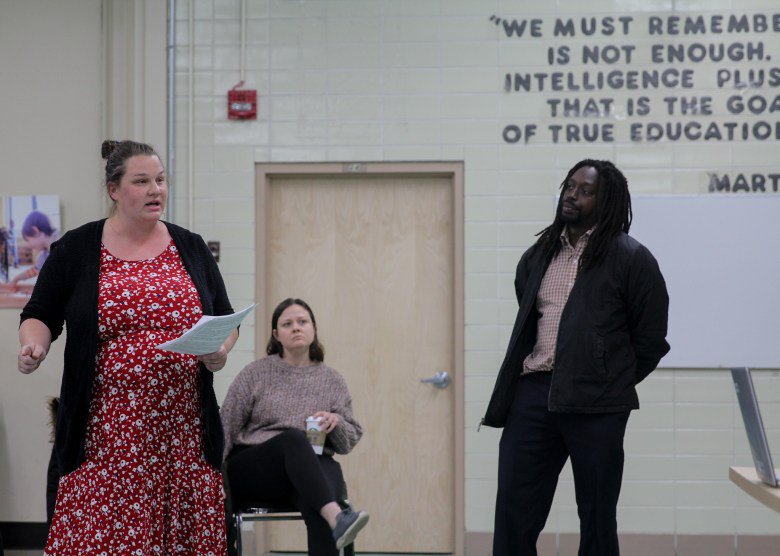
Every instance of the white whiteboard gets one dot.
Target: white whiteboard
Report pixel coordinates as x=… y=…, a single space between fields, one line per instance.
x=720 y=256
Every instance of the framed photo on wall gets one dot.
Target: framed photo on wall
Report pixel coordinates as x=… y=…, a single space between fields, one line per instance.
x=29 y=224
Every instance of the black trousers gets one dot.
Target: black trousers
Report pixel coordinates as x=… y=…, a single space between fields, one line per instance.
x=285 y=471
x=534 y=447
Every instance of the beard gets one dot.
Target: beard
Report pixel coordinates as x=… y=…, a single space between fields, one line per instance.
x=573 y=217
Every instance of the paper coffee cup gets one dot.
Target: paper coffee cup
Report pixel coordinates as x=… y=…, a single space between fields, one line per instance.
x=315 y=434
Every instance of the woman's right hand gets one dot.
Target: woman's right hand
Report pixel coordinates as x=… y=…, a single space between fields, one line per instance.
x=30 y=357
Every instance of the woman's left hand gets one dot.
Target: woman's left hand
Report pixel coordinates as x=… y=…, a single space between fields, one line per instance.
x=214 y=361
x=328 y=421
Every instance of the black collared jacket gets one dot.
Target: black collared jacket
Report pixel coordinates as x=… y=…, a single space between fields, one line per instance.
x=66 y=293
x=612 y=332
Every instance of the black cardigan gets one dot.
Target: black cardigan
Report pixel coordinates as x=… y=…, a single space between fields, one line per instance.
x=66 y=292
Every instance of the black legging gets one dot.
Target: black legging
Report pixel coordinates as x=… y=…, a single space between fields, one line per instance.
x=285 y=471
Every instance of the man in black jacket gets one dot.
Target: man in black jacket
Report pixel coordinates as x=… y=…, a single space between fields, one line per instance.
x=591 y=325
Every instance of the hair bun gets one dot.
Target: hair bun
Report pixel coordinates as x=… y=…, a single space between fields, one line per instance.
x=108 y=147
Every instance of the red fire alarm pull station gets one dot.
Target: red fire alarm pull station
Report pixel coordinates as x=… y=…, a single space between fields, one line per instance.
x=242 y=103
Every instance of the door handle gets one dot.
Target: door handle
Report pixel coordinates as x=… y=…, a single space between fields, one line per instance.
x=439 y=380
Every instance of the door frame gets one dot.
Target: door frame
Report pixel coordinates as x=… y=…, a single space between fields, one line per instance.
x=265 y=172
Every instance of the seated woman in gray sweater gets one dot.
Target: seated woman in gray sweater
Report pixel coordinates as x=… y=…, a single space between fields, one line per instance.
x=268 y=456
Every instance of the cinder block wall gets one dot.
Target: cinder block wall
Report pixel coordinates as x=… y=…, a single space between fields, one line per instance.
x=356 y=80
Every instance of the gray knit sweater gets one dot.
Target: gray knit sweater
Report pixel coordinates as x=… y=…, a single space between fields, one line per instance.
x=270 y=396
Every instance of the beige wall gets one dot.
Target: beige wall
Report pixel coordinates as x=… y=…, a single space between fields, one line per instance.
x=50 y=56
x=55 y=113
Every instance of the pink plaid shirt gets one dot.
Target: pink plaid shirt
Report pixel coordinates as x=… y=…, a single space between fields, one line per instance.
x=551 y=299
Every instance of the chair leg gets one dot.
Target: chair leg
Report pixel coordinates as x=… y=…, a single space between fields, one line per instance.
x=348 y=550
x=239 y=547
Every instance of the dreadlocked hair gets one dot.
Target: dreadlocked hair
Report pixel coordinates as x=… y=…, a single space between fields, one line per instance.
x=614 y=213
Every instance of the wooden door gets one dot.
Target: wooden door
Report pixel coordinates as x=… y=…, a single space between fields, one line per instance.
x=374 y=257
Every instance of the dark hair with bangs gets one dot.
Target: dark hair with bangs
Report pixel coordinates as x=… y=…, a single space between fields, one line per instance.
x=36 y=220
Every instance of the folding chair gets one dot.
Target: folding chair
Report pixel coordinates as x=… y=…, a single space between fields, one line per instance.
x=257 y=511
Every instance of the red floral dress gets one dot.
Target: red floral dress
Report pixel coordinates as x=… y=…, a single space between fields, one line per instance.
x=145 y=488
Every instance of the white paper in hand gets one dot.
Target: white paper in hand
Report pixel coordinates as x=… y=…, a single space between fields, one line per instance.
x=207 y=335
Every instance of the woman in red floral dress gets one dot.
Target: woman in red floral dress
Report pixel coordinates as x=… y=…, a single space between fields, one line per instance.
x=137 y=441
